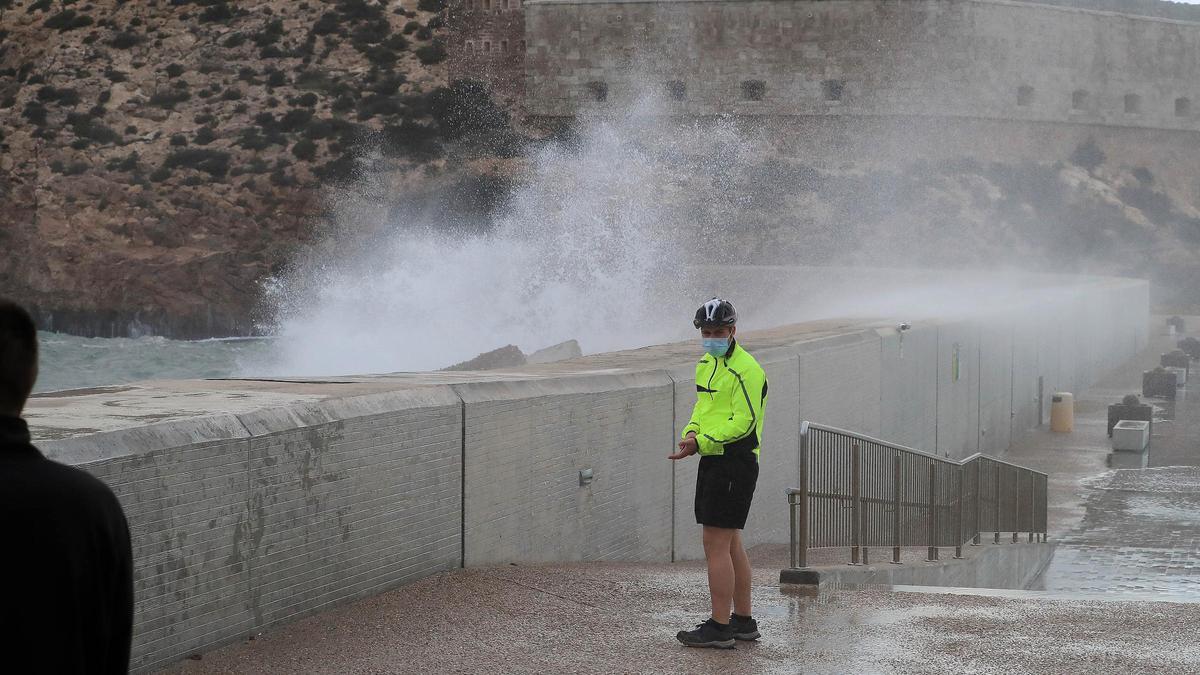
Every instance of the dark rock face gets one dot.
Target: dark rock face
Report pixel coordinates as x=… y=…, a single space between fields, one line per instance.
x=508 y=356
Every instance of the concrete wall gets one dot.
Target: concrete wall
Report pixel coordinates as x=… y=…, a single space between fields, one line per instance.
x=524 y=446
x=1008 y=566
x=244 y=521
x=240 y=522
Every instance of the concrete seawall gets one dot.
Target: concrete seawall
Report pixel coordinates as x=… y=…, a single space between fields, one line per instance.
x=255 y=502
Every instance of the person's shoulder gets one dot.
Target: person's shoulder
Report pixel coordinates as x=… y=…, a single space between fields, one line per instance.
x=68 y=480
x=745 y=361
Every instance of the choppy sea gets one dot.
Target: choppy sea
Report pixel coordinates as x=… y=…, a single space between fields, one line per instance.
x=72 y=362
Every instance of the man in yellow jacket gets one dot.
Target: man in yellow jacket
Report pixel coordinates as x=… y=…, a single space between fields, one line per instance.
x=725 y=430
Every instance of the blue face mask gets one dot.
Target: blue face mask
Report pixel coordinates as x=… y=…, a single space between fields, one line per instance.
x=715 y=346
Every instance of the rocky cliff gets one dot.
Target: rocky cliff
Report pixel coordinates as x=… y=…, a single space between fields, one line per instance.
x=158 y=160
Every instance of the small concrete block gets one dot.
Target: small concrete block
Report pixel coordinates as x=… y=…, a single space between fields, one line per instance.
x=800 y=576
x=1131 y=435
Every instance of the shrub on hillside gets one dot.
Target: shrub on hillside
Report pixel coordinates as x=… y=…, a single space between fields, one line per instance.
x=434 y=52
x=35 y=112
x=235 y=40
x=173 y=70
x=369 y=33
x=204 y=136
x=282 y=178
x=86 y=127
x=1088 y=155
x=338 y=171
x=359 y=10
x=275 y=77
x=114 y=75
x=410 y=27
x=68 y=19
x=215 y=12
x=128 y=164
x=295 y=119
x=387 y=85
x=375 y=104
x=64 y=96
x=178 y=140
x=411 y=139
x=212 y=162
x=465 y=107
x=319 y=128
x=380 y=56
x=396 y=43
x=1156 y=205
x=167 y=99
x=327 y=24
x=124 y=40
x=251 y=139
x=431 y=5
x=304 y=149
x=269 y=34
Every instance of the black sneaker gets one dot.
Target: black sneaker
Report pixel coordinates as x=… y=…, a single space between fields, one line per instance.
x=744 y=628
x=708 y=634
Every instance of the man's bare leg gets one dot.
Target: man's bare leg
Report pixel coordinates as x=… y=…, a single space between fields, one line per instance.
x=720 y=570
x=741 y=575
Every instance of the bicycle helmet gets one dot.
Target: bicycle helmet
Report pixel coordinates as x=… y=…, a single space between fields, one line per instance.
x=715 y=313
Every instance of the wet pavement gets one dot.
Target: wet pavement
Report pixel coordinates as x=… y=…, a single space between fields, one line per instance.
x=1126 y=524
x=605 y=618
x=1122 y=594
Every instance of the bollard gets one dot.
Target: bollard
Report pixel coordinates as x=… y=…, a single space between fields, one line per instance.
x=855 y=503
x=958 y=516
x=896 y=509
x=932 y=519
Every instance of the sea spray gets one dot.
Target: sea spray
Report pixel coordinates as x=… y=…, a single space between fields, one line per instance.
x=589 y=247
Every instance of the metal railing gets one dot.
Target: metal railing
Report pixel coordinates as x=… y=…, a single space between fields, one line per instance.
x=859 y=492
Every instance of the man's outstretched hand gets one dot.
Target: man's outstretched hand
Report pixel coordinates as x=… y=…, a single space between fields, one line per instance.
x=687 y=447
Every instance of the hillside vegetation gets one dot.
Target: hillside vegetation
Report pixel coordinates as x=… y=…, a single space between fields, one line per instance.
x=159 y=159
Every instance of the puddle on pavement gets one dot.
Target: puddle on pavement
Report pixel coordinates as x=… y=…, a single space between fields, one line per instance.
x=1177 y=598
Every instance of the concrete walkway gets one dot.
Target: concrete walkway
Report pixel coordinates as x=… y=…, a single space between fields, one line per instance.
x=1126 y=525
x=607 y=618
x=1121 y=595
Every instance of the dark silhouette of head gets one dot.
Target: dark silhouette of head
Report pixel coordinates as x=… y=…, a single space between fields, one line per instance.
x=18 y=357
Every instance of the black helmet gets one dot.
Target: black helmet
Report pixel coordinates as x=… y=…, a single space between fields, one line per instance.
x=714 y=313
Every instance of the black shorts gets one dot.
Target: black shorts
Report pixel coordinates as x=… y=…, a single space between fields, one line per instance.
x=725 y=488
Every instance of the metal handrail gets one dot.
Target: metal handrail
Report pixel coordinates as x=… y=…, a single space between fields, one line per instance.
x=860 y=491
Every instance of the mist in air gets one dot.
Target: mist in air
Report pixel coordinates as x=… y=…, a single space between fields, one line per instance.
x=588 y=248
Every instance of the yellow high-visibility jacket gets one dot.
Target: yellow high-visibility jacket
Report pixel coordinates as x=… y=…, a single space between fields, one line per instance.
x=731 y=392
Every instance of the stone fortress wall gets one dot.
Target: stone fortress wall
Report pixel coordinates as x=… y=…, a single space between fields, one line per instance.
x=487 y=42
x=985 y=59
x=843 y=82
x=253 y=503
